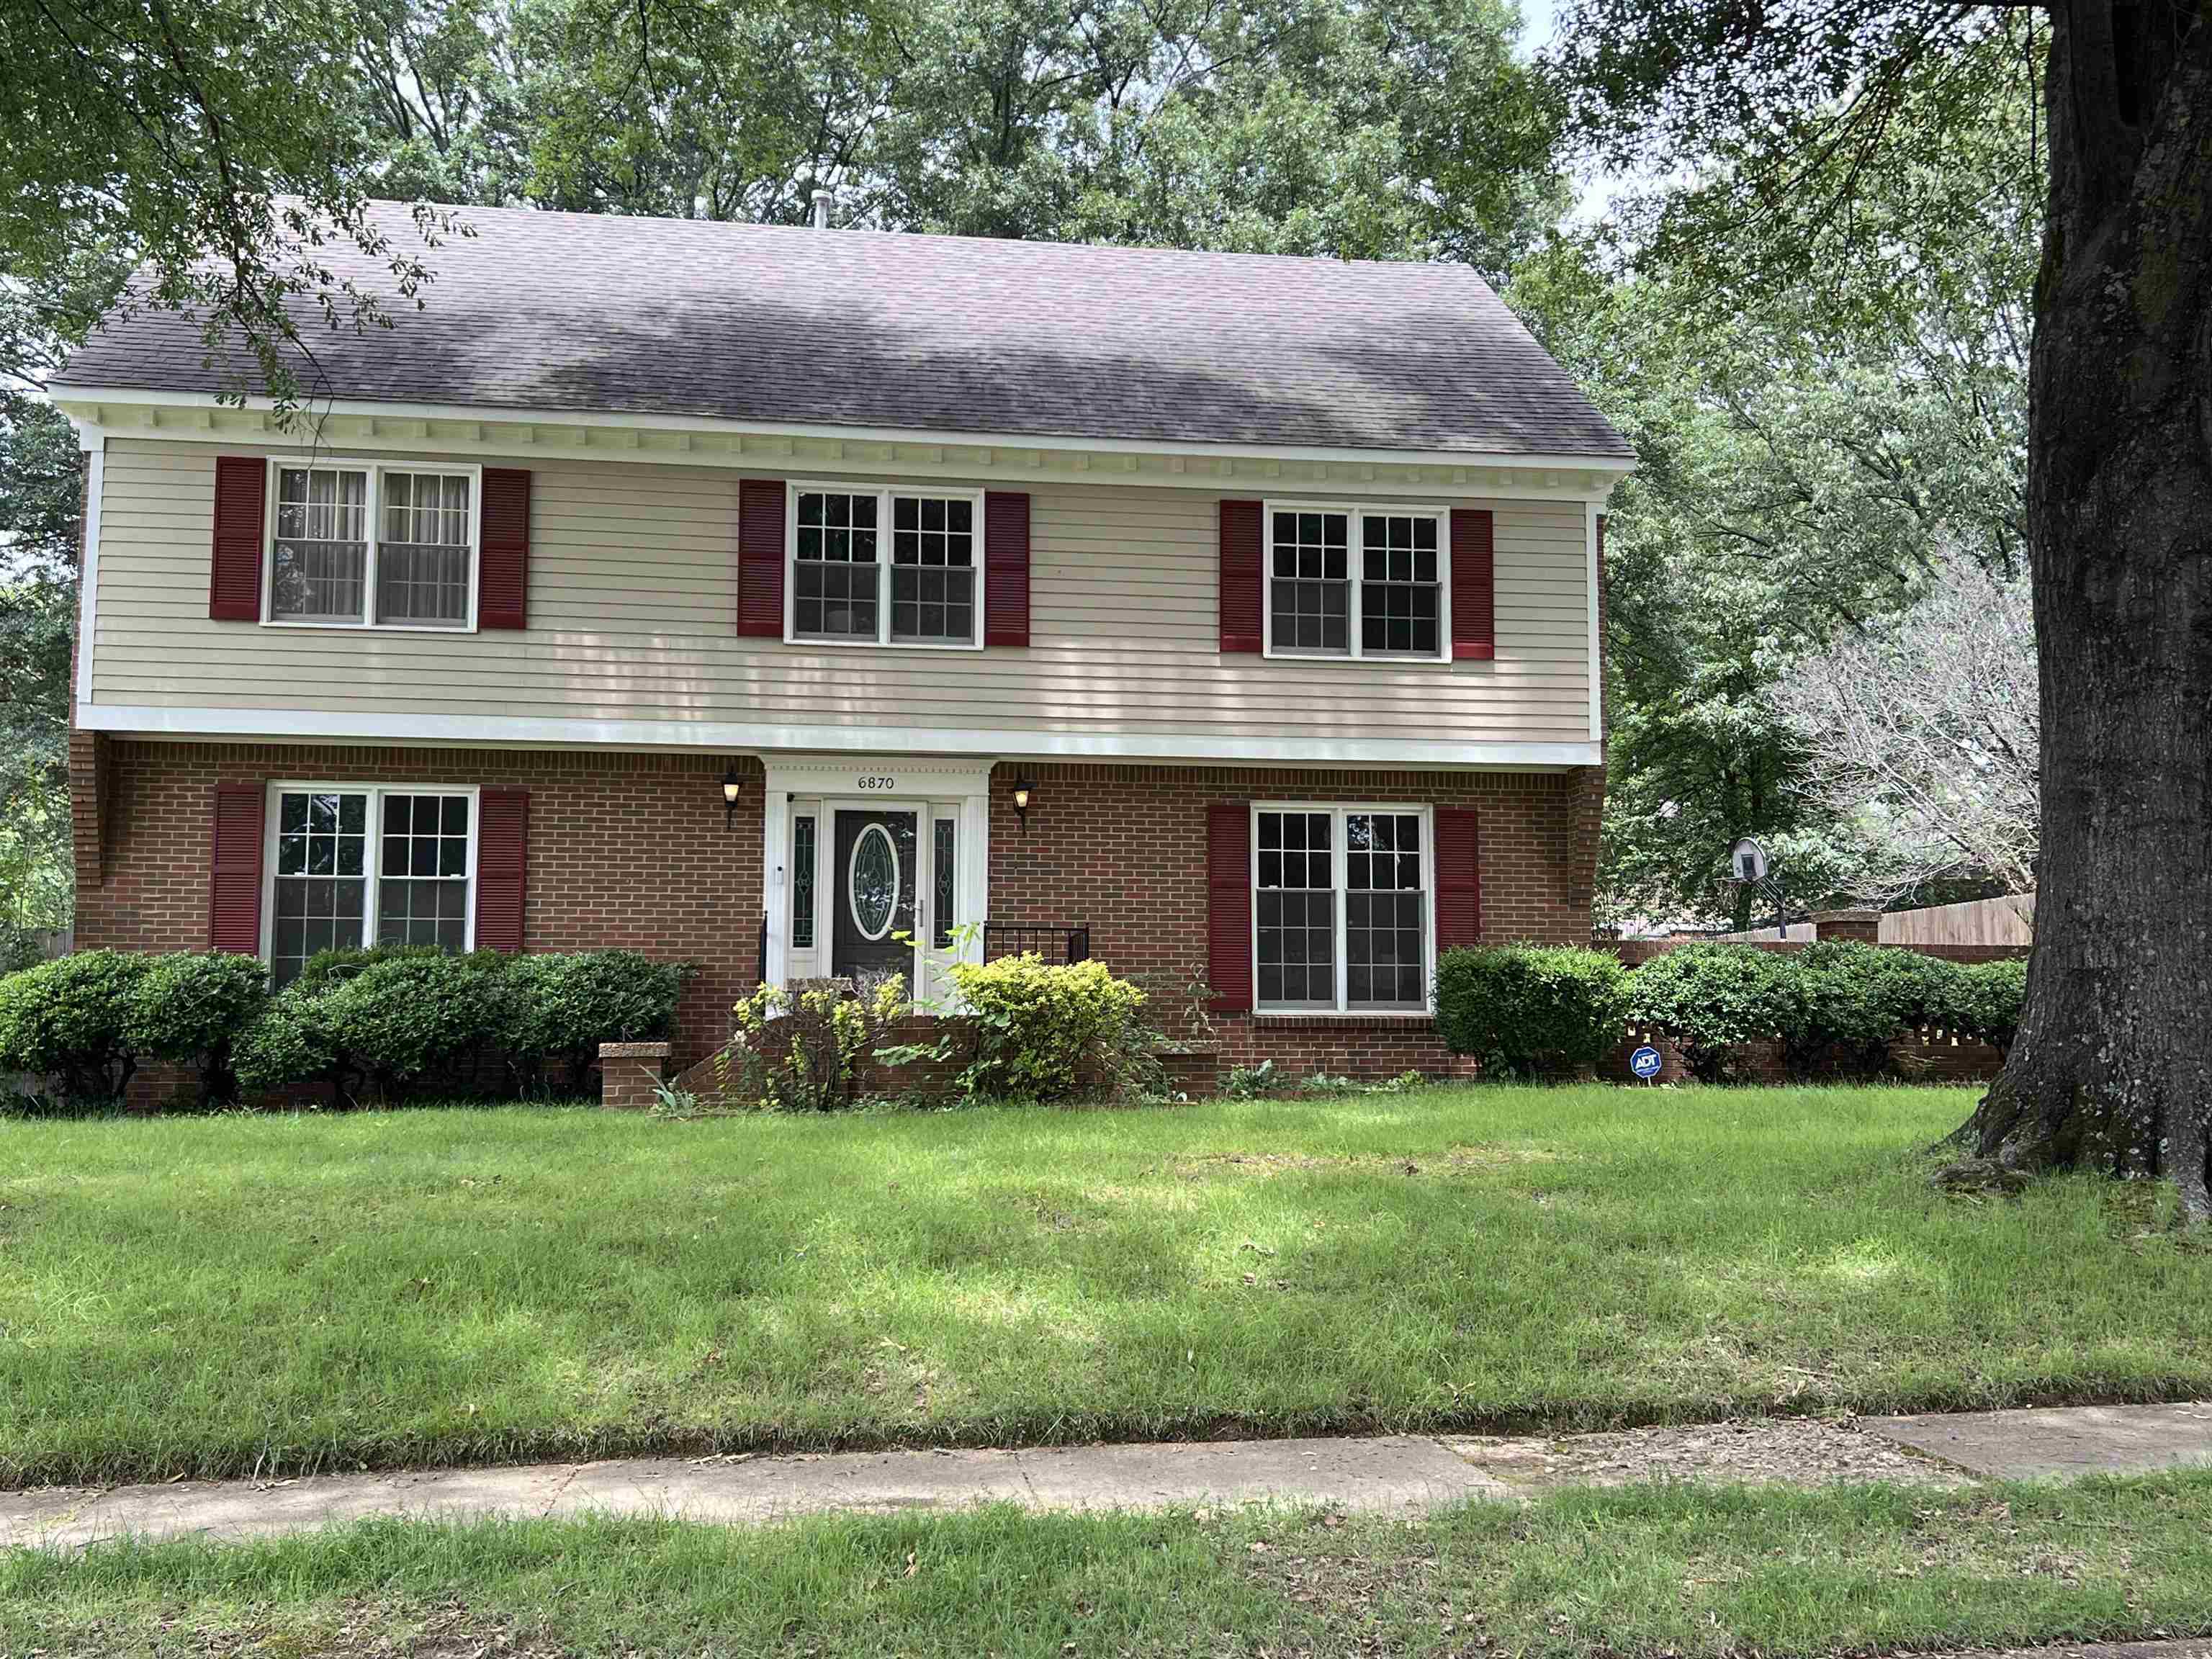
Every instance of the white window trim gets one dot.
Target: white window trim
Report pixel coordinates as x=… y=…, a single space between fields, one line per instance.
x=375 y=469
x=883 y=494
x=1355 y=511
x=1338 y=851
x=272 y=814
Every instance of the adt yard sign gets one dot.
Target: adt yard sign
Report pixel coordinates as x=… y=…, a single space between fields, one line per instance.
x=1645 y=1062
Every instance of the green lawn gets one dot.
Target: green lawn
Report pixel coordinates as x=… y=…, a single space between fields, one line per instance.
x=1672 y=1572
x=220 y=1296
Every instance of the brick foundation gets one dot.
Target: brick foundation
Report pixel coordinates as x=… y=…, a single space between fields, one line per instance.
x=632 y=850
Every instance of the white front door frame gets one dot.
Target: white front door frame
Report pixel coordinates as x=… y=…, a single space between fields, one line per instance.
x=859 y=782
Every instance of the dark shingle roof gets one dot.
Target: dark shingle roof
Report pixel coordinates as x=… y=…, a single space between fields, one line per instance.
x=780 y=325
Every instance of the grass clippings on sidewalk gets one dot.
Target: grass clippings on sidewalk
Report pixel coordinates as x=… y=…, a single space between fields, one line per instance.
x=223 y=1295
x=1681 y=1571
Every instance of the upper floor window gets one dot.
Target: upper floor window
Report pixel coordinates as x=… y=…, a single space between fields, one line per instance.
x=366 y=544
x=889 y=566
x=1355 y=582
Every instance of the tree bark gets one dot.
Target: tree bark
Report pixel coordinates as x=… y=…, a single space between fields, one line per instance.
x=2112 y=1069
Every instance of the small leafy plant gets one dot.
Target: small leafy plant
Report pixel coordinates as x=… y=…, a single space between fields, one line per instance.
x=1023 y=1029
x=799 y=1048
x=1250 y=1082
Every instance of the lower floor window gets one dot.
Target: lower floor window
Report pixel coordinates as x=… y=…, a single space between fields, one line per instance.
x=1340 y=908
x=368 y=866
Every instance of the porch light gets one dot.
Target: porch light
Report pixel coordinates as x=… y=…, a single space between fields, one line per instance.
x=1022 y=788
x=730 y=785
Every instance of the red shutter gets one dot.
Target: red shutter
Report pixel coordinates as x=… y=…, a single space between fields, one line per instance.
x=502 y=865
x=1459 y=879
x=1006 y=567
x=235 y=878
x=1474 y=588
x=503 y=587
x=1229 y=907
x=235 y=570
x=1241 y=570
x=760 y=558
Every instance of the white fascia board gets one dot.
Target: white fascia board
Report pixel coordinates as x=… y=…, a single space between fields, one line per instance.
x=106 y=403
x=283 y=725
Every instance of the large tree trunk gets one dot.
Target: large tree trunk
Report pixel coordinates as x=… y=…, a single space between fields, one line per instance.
x=2112 y=1069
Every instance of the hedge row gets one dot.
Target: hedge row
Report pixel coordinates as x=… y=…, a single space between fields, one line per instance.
x=368 y=1023
x=1836 y=1007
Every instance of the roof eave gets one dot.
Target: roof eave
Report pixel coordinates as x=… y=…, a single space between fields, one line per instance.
x=130 y=411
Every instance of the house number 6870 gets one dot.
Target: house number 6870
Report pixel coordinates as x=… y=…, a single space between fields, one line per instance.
x=879 y=783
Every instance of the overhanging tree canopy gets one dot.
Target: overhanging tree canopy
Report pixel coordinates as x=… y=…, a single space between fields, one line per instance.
x=1793 y=103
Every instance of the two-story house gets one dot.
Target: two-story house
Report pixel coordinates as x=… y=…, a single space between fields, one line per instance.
x=771 y=599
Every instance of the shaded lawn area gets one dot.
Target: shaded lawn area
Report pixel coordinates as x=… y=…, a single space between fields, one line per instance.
x=279 y=1294
x=1656 y=1571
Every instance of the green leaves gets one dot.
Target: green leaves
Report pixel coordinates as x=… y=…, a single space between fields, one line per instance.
x=1039 y=1032
x=66 y=1019
x=1528 y=1009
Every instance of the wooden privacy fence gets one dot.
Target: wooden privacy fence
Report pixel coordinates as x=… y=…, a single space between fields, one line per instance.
x=2007 y=921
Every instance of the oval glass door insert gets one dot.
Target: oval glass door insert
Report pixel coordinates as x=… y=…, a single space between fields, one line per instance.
x=872 y=885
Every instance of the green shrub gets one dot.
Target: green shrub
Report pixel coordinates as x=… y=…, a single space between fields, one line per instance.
x=799 y=1047
x=571 y=1003
x=1530 y=1009
x=408 y=1014
x=327 y=970
x=191 y=1008
x=1853 y=998
x=287 y=1045
x=67 y=1019
x=1983 y=1001
x=1035 y=1031
x=1707 y=998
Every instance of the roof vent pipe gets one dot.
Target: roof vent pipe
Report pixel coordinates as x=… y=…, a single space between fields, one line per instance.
x=821 y=208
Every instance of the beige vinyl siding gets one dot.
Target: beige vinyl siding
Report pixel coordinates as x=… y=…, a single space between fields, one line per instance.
x=633 y=601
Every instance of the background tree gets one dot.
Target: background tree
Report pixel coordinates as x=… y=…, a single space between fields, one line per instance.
x=1796 y=107
x=1923 y=731
x=1811 y=443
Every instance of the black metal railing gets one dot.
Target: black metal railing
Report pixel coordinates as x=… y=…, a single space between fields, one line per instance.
x=1057 y=945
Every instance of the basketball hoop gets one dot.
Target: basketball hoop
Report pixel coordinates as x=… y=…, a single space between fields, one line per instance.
x=1750 y=869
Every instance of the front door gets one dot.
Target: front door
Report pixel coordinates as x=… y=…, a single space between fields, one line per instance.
x=872 y=870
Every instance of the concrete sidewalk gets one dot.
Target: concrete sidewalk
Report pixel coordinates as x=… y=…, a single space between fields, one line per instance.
x=1402 y=1473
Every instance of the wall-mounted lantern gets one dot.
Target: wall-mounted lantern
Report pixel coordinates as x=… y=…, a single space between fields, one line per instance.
x=1022 y=788
x=730 y=785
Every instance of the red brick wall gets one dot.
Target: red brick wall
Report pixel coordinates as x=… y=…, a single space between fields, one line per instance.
x=625 y=850
x=630 y=850
x=1123 y=849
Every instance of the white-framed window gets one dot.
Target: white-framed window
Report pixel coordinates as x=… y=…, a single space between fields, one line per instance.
x=355 y=543
x=1343 y=910
x=1353 y=581
x=354 y=864
x=868 y=565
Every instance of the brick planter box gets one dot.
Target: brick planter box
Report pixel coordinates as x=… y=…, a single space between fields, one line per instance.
x=630 y=1074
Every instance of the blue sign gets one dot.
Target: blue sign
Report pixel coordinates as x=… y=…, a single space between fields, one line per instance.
x=1645 y=1062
